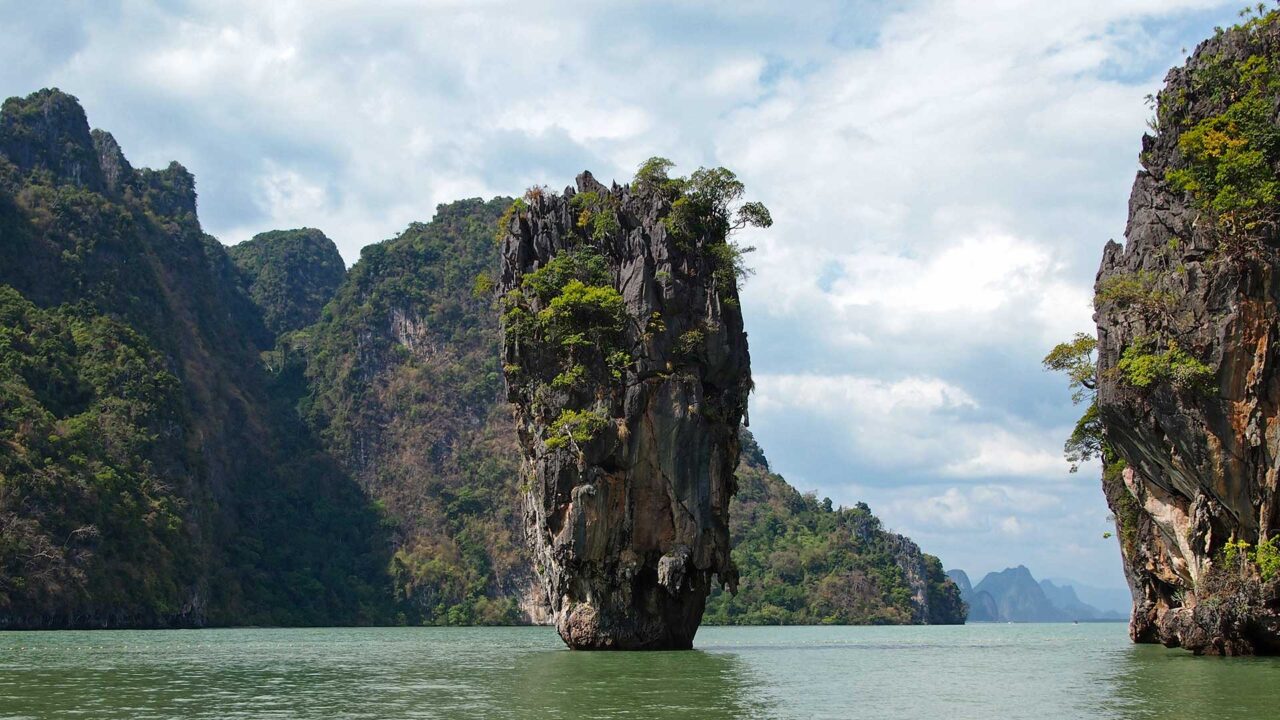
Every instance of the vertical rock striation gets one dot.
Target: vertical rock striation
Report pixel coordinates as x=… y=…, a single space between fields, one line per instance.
x=1188 y=373
x=627 y=364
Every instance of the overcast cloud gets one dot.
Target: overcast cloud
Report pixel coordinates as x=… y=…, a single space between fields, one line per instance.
x=942 y=175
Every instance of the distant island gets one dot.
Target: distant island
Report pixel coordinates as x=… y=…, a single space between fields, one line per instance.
x=1014 y=595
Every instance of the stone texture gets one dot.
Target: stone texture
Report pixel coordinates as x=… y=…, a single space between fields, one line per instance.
x=1201 y=465
x=630 y=530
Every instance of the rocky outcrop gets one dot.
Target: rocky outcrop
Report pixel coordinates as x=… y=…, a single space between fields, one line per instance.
x=1188 y=380
x=627 y=363
x=47 y=132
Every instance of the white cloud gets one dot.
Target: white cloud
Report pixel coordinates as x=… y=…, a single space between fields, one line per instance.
x=997 y=452
x=931 y=425
x=1012 y=526
x=857 y=395
x=941 y=191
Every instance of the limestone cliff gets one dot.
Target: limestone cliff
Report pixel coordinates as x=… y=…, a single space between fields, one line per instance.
x=1188 y=381
x=149 y=475
x=627 y=363
x=406 y=392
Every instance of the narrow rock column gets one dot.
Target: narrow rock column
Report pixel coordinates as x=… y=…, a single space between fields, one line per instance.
x=627 y=365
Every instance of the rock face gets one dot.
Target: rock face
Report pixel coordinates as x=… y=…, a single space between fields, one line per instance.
x=406 y=392
x=150 y=474
x=627 y=363
x=1188 y=374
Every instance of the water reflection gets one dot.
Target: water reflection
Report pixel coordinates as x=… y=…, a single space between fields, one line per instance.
x=565 y=684
x=1155 y=682
x=1027 y=672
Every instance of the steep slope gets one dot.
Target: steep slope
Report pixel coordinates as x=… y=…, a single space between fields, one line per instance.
x=803 y=562
x=179 y=494
x=404 y=379
x=979 y=606
x=406 y=392
x=627 y=363
x=290 y=275
x=1188 y=389
x=961 y=579
x=154 y=470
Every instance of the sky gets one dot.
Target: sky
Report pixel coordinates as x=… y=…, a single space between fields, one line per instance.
x=942 y=177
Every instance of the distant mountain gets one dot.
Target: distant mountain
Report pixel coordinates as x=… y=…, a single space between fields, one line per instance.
x=1115 y=600
x=1065 y=599
x=1014 y=595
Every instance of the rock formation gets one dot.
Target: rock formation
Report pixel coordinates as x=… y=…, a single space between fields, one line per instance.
x=288 y=443
x=1188 y=380
x=627 y=363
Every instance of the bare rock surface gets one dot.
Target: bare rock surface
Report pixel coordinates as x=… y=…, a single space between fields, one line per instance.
x=629 y=396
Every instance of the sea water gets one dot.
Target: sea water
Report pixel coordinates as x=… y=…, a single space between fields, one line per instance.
x=975 y=671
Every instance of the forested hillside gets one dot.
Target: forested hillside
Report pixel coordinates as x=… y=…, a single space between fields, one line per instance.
x=195 y=435
x=804 y=562
x=149 y=476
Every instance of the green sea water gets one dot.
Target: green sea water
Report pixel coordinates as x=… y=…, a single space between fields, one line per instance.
x=977 y=671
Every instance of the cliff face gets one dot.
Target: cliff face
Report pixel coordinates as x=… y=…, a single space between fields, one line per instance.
x=1188 y=381
x=405 y=388
x=148 y=475
x=627 y=363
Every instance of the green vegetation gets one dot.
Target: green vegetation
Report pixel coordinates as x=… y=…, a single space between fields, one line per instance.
x=415 y=408
x=1239 y=555
x=597 y=216
x=706 y=205
x=1230 y=154
x=512 y=211
x=1142 y=366
x=86 y=513
x=171 y=483
x=579 y=326
x=569 y=316
x=804 y=562
x=1124 y=506
x=290 y=274
x=1075 y=358
x=575 y=427
x=1140 y=290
